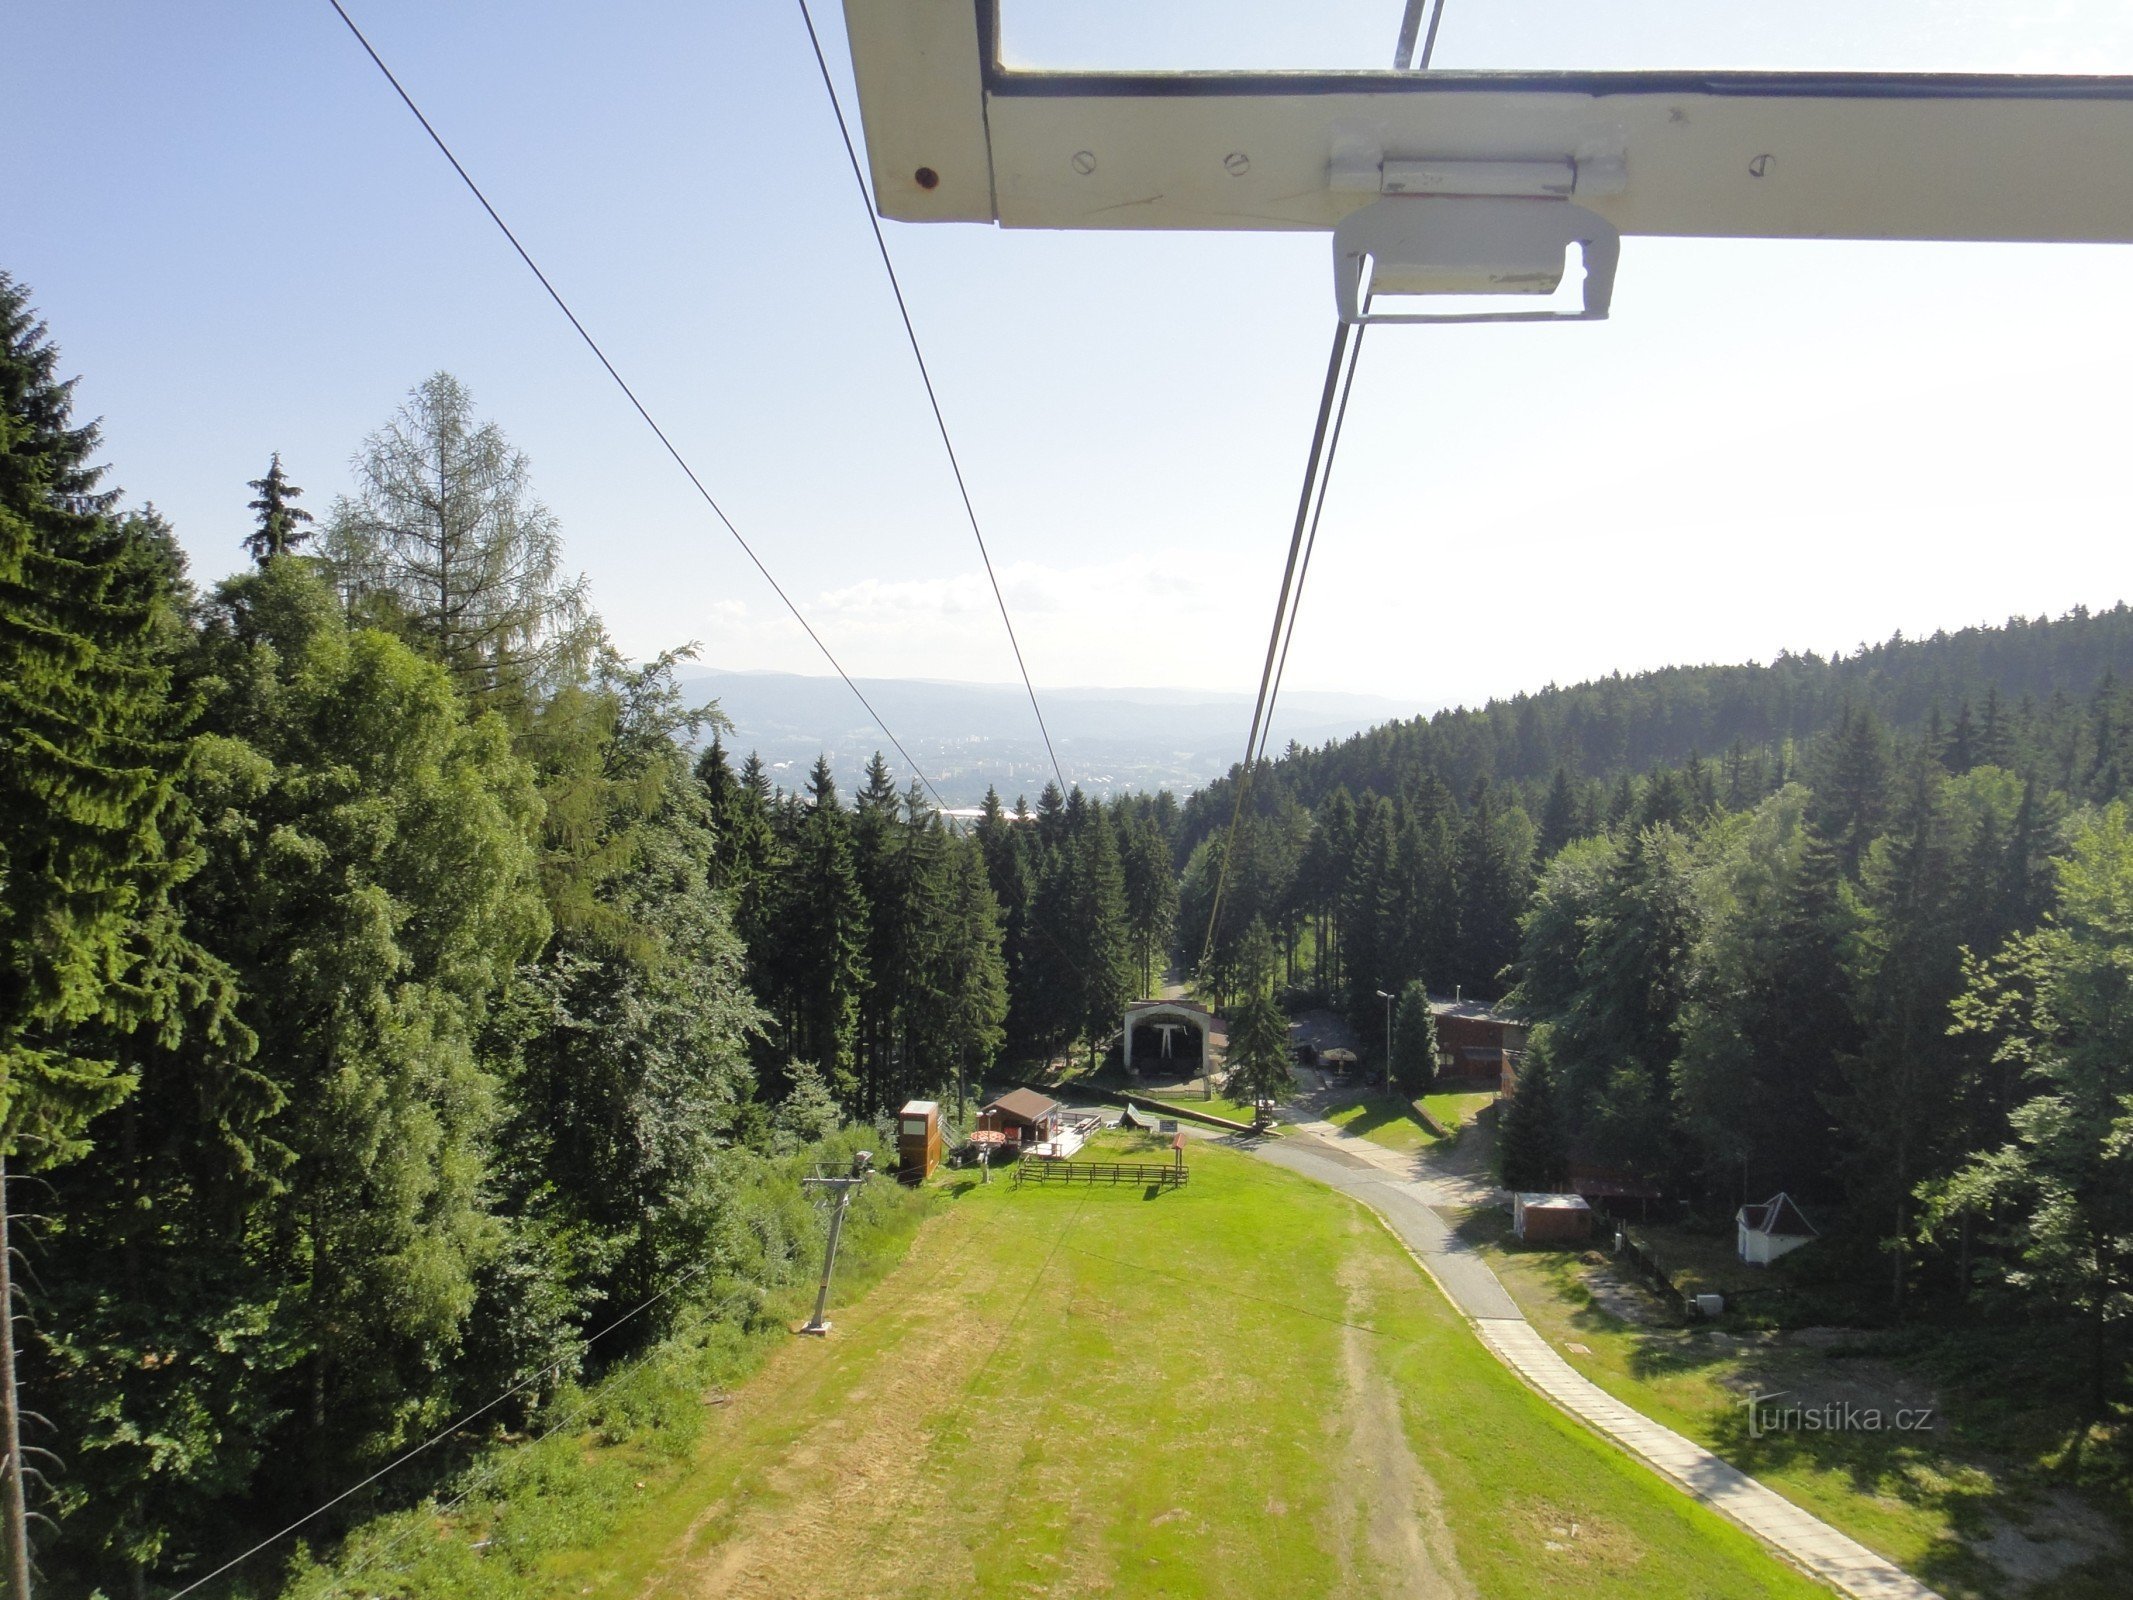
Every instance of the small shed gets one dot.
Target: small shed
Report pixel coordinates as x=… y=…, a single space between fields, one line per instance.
x=1765 y=1232
x=1023 y=1115
x=1551 y=1218
x=1133 y=1119
x=918 y=1140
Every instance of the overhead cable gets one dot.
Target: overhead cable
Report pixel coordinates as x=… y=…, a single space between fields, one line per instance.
x=442 y=1434
x=1411 y=24
x=630 y=394
x=881 y=243
x=1320 y=433
x=1303 y=571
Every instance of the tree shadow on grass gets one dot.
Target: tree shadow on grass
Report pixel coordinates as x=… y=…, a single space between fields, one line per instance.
x=1378 y=1113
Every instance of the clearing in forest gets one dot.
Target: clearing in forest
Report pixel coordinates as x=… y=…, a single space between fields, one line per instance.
x=1242 y=1387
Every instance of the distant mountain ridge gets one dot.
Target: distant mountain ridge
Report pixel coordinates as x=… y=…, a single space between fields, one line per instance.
x=970 y=735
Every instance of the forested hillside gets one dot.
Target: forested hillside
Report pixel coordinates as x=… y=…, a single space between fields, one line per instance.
x=2041 y=695
x=1406 y=849
x=389 y=1001
x=1876 y=951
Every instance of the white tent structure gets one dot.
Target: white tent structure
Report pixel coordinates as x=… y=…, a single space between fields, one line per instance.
x=1774 y=1228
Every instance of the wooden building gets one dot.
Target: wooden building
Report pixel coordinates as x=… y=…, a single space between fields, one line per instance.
x=1477 y=1046
x=1551 y=1218
x=1022 y=1116
x=918 y=1140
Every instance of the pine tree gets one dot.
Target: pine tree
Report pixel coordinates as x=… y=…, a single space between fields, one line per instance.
x=1898 y=1097
x=816 y=969
x=893 y=952
x=282 y=523
x=96 y=840
x=1414 y=1040
x=1098 y=931
x=94 y=833
x=1531 y=1150
x=1151 y=897
x=1493 y=880
x=1959 y=751
x=1851 y=793
x=1366 y=933
x=1995 y=736
x=1258 y=1059
x=1559 y=817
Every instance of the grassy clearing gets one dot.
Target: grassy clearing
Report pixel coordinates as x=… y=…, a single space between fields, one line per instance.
x=1980 y=1506
x=1388 y=1120
x=1455 y=1111
x=1242 y=1387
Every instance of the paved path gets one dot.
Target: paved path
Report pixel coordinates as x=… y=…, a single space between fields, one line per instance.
x=1404 y=1190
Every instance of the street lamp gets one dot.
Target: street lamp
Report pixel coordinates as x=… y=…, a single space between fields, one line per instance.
x=1382 y=995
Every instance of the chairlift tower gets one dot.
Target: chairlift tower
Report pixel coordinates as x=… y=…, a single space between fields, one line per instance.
x=862 y=1165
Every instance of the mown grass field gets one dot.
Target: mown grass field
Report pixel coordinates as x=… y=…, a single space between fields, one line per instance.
x=1388 y=1120
x=1391 y=1120
x=1982 y=1505
x=1242 y=1387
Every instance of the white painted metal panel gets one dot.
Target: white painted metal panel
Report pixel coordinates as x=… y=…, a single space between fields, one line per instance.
x=1749 y=165
x=1749 y=155
x=920 y=70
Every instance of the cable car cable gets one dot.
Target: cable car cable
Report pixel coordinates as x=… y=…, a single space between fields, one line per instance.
x=1303 y=572
x=1319 y=437
x=881 y=243
x=441 y=1435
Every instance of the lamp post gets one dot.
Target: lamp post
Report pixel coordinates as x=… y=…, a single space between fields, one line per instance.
x=1382 y=995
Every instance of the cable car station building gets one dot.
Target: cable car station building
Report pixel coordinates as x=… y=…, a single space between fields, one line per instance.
x=1166 y=1033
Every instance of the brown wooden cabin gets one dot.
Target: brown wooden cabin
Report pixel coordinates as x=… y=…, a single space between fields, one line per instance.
x=1022 y=1116
x=1476 y=1044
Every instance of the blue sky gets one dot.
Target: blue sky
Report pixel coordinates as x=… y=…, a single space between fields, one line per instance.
x=244 y=244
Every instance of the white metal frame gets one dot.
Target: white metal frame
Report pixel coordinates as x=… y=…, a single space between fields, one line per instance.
x=953 y=136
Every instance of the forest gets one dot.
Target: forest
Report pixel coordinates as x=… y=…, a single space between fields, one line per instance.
x=396 y=990
x=1877 y=952
x=406 y=1000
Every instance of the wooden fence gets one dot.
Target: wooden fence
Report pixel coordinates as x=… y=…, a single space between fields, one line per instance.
x=1094 y=1172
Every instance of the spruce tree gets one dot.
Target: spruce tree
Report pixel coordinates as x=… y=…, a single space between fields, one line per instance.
x=282 y=522
x=1414 y=1040
x=1531 y=1150
x=1851 y=791
x=93 y=831
x=1492 y=895
x=1559 y=817
x=1098 y=931
x=818 y=961
x=1258 y=1059
x=1151 y=897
